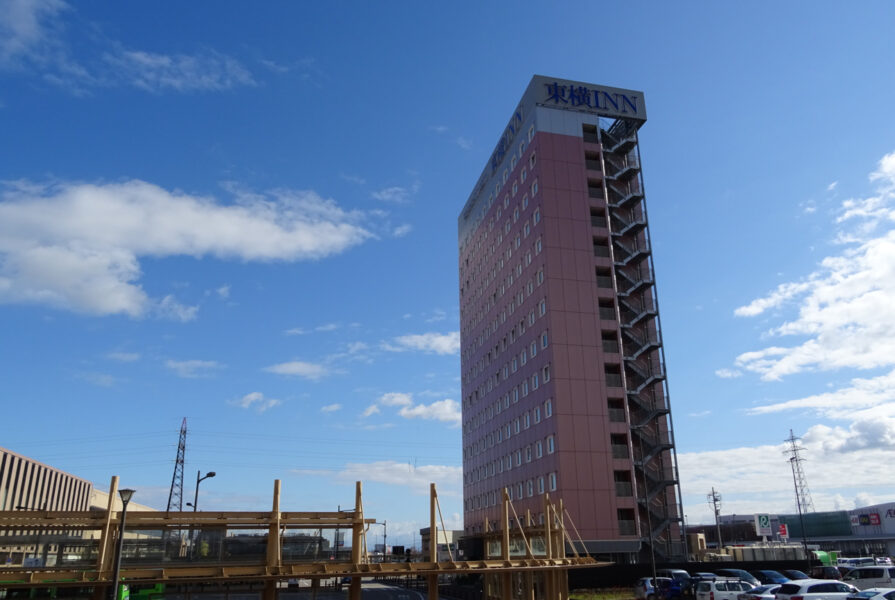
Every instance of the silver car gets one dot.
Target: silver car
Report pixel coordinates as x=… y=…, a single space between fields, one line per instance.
x=815 y=589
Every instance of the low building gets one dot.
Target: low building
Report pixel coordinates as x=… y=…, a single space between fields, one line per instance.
x=448 y=544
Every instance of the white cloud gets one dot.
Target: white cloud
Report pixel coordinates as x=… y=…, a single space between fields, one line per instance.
x=35 y=39
x=331 y=408
x=257 y=401
x=353 y=178
x=370 y=411
x=77 y=246
x=124 y=356
x=296 y=331
x=223 y=291
x=396 y=399
x=154 y=72
x=356 y=347
x=446 y=410
x=464 y=143
x=846 y=308
x=327 y=327
x=396 y=194
x=170 y=308
x=832 y=186
x=435 y=343
x=728 y=373
x=298 y=368
x=193 y=368
x=402 y=230
x=700 y=414
x=447 y=478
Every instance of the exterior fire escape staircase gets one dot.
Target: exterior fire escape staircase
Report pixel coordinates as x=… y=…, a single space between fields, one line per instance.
x=658 y=492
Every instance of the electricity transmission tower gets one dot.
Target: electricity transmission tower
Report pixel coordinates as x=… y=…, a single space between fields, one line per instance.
x=803 y=496
x=175 y=496
x=715 y=500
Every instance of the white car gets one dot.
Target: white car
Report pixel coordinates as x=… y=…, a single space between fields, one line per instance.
x=721 y=589
x=815 y=589
x=874 y=594
x=762 y=592
x=865 y=578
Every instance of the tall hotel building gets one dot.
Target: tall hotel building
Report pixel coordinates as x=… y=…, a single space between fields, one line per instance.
x=564 y=388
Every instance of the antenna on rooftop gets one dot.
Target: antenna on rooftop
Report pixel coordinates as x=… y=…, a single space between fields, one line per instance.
x=715 y=500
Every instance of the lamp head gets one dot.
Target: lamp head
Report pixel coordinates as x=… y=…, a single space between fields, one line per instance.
x=210 y=474
x=126 y=495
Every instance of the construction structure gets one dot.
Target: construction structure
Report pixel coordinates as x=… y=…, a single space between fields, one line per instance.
x=523 y=562
x=563 y=372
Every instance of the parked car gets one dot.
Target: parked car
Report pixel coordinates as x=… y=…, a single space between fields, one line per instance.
x=721 y=589
x=883 y=560
x=762 y=592
x=767 y=576
x=814 y=589
x=645 y=588
x=678 y=574
x=672 y=589
x=825 y=572
x=796 y=574
x=871 y=577
x=690 y=590
x=739 y=574
x=874 y=594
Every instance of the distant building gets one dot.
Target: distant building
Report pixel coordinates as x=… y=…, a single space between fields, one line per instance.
x=448 y=544
x=563 y=373
x=27 y=484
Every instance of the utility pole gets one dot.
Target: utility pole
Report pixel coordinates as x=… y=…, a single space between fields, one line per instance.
x=715 y=500
x=800 y=483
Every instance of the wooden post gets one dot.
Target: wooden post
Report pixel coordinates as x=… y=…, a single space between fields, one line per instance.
x=106 y=553
x=549 y=591
x=274 y=556
x=357 y=534
x=433 y=543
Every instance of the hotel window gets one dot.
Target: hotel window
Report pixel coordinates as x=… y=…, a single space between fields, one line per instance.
x=516 y=424
x=537 y=414
x=506 y=227
x=525 y=388
x=507 y=429
x=521 y=148
x=515 y=364
x=526 y=229
x=515 y=188
x=519 y=459
x=539 y=449
x=534 y=381
x=505 y=174
x=551 y=446
x=499 y=435
x=544 y=340
x=513 y=162
x=526 y=420
x=551 y=482
x=532 y=160
x=533 y=349
x=524 y=174
x=546 y=373
x=540 y=276
x=515 y=214
x=534 y=188
x=538 y=246
x=548 y=408
x=515 y=394
x=537 y=216
x=528 y=453
x=541 y=484
x=518 y=241
x=530 y=485
x=531 y=133
x=519 y=490
x=523 y=356
x=531 y=321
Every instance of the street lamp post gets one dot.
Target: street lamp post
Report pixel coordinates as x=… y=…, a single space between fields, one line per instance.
x=199 y=479
x=126 y=496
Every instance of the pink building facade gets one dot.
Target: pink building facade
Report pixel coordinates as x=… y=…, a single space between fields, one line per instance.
x=564 y=389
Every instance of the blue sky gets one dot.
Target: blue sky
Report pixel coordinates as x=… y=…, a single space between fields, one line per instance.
x=248 y=218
